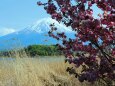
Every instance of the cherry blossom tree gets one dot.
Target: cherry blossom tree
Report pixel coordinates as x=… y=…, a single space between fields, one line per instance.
x=93 y=48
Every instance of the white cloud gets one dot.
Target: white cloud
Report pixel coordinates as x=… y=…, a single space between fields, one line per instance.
x=5 y=31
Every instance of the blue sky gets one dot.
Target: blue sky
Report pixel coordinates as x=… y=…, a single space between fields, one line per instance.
x=18 y=14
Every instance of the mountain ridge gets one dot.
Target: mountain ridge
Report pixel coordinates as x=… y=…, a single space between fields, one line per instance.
x=36 y=33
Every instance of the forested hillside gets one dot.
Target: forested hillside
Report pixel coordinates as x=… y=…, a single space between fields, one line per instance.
x=42 y=50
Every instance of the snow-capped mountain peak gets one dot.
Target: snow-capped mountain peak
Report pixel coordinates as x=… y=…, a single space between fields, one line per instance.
x=43 y=25
x=36 y=33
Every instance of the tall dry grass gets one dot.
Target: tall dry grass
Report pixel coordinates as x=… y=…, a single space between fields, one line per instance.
x=32 y=72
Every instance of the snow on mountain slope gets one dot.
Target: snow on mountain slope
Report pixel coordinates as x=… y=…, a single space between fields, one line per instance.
x=43 y=26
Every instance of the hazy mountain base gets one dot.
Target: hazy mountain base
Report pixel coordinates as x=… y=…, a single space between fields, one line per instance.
x=32 y=72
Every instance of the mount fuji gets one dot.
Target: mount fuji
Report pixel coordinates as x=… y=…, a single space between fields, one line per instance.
x=37 y=33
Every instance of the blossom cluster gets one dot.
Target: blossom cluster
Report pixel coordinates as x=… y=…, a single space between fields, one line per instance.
x=98 y=32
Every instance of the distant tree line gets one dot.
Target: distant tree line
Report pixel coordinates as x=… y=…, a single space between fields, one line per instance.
x=43 y=50
x=35 y=50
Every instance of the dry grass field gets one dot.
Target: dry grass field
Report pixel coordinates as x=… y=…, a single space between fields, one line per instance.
x=32 y=72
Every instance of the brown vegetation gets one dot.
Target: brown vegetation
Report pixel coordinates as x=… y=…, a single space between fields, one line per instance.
x=32 y=72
